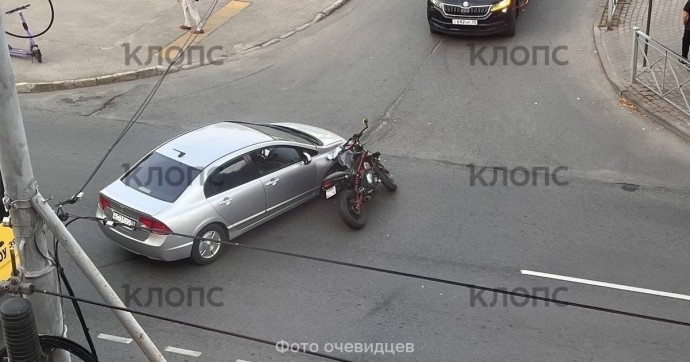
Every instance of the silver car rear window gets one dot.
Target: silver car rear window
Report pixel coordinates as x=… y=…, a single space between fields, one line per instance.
x=161 y=177
x=283 y=133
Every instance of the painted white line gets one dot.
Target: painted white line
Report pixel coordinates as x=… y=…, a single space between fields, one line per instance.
x=117 y=339
x=607 y=285
x=241 y=360
x=185 y=352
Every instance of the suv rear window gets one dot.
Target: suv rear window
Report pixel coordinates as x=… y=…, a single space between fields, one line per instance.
x=161 y=177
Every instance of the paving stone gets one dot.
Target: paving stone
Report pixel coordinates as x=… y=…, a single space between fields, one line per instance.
x=666 y=28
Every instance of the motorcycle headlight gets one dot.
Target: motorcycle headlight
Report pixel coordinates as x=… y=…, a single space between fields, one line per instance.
x=370 y=178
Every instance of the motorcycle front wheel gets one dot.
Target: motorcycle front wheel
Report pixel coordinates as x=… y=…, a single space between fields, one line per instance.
x=387 y=179
x=352 y=216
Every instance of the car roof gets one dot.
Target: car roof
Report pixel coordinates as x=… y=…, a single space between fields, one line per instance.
x=202 y=146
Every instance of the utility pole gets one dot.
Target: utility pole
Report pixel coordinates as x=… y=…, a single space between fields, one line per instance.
x=20 y=188
x=30 y=211
x=649 y=25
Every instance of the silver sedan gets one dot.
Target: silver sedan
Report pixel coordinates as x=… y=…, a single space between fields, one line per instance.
x=215 y=182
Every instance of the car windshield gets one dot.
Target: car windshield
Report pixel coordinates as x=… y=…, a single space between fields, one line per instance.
x=283 y=133
x=161 y=177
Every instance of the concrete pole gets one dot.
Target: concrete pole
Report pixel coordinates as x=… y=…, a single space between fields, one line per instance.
x=20 y=187
x=97 y=280
x=29 y=212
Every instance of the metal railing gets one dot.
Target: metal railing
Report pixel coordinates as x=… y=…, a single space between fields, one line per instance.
x=663 y=71
x=611 y=9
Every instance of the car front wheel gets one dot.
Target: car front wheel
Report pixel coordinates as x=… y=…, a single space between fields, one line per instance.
x=205 y=251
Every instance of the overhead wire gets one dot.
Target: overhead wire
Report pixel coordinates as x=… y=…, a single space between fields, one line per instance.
x=188 y=42
x=113 y=224
x=55 y=260
x=132 y=122
x=188 y=324
x=63 y=276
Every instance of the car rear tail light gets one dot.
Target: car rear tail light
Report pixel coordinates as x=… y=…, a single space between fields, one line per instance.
x=155 y=226
x=103 y=202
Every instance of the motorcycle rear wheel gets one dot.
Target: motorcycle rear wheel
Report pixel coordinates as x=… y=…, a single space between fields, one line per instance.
x=352 y=217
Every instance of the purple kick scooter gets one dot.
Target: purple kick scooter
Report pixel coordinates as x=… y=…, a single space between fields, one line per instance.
x=33 y=51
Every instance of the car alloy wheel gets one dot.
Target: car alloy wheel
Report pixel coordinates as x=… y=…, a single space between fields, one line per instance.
x=209 y=249
x=205 y=251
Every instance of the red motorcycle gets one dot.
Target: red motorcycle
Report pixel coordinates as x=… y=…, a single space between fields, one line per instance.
x=359 y=174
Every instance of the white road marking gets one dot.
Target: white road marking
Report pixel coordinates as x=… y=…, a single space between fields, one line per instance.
x=241 y=360
x=185 y=352
x=117 y=339
x=607 y=285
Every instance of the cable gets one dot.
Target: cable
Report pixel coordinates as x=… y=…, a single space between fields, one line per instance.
x=77 y=309
x=41 y=253
x=63 y=276
x=188 y=324
x=52 y=17
x=422 y=277
x=140 y=110
x=49 y=342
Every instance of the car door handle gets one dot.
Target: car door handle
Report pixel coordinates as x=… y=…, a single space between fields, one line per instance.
x=273 y=182
x=226 y=201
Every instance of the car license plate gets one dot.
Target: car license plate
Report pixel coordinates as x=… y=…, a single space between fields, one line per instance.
x=123 y=219
x=330 y=192
x=464 y=22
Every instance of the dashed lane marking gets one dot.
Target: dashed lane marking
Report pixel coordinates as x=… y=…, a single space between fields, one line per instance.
x=117 y=339
x=185 y=352
x=606 y=285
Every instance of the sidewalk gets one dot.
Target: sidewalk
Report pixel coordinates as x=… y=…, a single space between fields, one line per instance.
x=106 y=41
x=615 y=49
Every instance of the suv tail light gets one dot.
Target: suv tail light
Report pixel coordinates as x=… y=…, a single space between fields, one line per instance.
x=155 y=226
x=103 y=202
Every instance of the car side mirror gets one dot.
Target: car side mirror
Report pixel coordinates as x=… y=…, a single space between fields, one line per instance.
x=306 y=158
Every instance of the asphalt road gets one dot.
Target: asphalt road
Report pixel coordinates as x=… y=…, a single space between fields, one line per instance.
x=620 y=219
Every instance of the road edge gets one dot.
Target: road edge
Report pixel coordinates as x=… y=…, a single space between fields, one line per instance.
x=42 y=87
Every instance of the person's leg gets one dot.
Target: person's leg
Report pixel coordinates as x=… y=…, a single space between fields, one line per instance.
x=187 y=19
x=194 y=12
x=686 y=44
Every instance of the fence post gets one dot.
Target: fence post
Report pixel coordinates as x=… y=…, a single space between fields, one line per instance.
x=635 y=50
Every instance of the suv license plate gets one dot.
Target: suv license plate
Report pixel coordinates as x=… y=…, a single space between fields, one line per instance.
x=123 y=219
x=464 y=22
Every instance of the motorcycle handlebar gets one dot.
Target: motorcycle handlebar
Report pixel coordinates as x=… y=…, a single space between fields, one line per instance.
x=354 y=137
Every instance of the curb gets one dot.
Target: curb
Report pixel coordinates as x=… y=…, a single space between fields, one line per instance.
x=624 y=91
x=318 y=17
x=39 y=87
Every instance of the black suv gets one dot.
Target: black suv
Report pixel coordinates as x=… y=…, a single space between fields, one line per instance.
x=470 y=17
